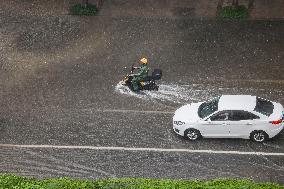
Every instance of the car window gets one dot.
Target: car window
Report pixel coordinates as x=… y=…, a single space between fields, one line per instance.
x=238 y=115
x=207 y=108
x=263 y=106
x=221 y=116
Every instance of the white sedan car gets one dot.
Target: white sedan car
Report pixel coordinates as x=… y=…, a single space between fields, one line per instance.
x=230 y=116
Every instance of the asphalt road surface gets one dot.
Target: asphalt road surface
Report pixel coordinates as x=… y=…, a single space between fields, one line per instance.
x=63 y=115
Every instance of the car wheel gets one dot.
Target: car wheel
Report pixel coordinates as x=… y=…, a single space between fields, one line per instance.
x=258 y=136
x=156 y=88
x=192 y=134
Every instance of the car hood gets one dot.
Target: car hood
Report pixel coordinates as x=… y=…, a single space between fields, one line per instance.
x=187 y=113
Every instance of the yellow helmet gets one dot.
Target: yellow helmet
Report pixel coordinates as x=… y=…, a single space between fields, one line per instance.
x=144 y=61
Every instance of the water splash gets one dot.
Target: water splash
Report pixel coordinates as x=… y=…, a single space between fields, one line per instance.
x=173 y=93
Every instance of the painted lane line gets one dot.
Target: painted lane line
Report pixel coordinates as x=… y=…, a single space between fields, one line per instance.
x=141 y=149
x=128 y=111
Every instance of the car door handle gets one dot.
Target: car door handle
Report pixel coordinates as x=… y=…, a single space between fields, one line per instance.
x=249 y=123
x=225 y=124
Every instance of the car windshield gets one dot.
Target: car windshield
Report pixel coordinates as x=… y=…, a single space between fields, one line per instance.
x=207 y=108
x=264 y=106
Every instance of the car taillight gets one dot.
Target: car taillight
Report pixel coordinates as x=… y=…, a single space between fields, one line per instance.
x=276 y=122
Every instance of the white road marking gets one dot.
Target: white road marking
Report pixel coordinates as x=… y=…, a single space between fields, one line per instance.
x=128 y=111
x=141 y=149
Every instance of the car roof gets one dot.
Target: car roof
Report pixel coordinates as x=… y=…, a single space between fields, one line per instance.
x=237 y=102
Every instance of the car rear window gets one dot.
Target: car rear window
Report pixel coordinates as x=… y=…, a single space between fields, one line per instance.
x=263 y=106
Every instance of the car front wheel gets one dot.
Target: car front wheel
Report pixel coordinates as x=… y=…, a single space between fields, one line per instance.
x=259 y=136
x=192 y=134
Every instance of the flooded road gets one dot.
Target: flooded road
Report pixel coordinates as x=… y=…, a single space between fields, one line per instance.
x=197 y=92
x=65 y=93
x=93 y=141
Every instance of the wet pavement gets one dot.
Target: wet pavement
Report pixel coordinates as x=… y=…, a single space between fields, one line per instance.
x=115 y=164
x=59 y=79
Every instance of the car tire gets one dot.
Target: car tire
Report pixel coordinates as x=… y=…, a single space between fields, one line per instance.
x=156 y=88
x=192 y=134
x=258 y=136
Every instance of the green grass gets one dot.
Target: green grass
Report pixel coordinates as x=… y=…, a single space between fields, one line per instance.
x=16 y=182
x=230 y=12
x=81 y=10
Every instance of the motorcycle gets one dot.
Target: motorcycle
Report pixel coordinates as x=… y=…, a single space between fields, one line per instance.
x=149 y=83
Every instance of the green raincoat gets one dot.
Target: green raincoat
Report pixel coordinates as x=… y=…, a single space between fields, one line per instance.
x=141 y=75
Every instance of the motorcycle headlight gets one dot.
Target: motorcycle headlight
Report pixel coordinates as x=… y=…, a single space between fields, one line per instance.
x=179 y=122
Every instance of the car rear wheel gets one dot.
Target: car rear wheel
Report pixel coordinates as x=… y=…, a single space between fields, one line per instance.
x=258 y=136
x=192 y=134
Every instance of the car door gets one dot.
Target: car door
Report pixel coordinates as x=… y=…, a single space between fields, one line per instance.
x=216 y=125
x=242 y=123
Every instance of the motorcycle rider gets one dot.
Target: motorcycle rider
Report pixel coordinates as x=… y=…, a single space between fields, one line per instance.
x=141 y=75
